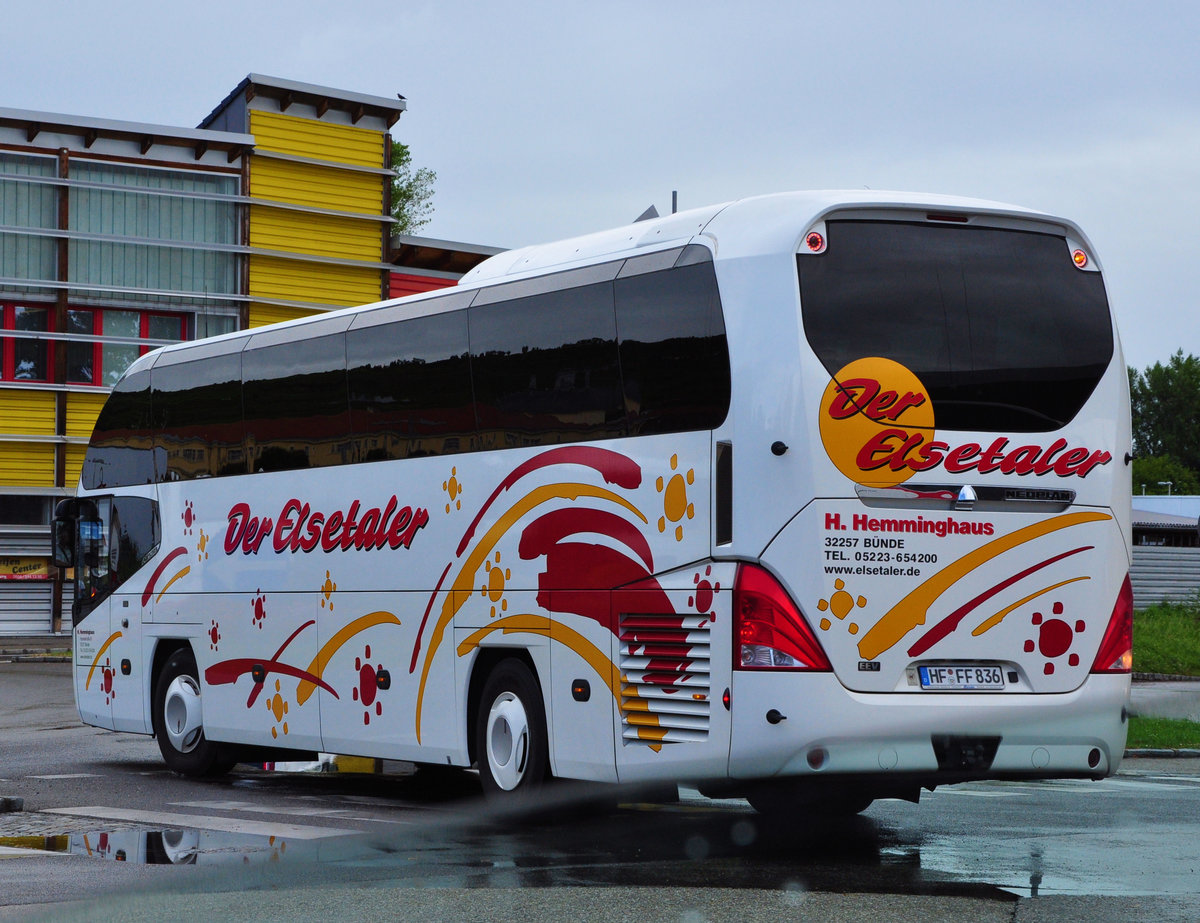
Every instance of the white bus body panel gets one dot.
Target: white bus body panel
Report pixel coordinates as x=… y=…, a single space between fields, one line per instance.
x=364 y=640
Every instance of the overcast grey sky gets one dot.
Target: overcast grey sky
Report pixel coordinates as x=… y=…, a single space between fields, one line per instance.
x=549 y=119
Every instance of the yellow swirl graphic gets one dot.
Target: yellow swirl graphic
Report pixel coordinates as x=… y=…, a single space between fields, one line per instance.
x=996 y=619
x=464 y=581
x=910 y=611
x=182 y=573
x=100 y=653
x=556 y=631
x=317 y=667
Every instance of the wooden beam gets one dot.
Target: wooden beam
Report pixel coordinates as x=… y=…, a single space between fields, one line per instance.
x=201 y=149
x=286 y=100
x=357 y=113
x=34 y=129
x=147 y=143
x=322 y=107
x=89 y=137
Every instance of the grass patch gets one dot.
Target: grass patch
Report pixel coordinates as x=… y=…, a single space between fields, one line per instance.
x=1166 y=639
x=1163 y=734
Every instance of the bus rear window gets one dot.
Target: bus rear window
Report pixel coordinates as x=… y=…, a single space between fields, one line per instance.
x=1000 y=326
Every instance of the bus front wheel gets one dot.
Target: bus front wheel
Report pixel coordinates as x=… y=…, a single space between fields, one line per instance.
x=178 y=718
x=510 y=734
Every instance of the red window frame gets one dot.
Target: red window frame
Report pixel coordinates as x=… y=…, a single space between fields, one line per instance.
x=8 y=352
x=8 y=323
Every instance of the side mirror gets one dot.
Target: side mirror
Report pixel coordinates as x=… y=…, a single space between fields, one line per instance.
x=62 y=542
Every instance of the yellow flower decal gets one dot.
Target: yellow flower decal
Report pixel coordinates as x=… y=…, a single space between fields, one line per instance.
x=277 y=705
x=453 y=489
x=675 y=499
x=496 y=581
x=841 y=604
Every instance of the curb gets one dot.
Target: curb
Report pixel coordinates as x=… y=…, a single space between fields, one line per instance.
x=1163 y=678
x=1183 y=753
x=31 y=656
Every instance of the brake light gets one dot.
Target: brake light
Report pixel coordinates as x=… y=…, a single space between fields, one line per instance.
x=769 y=630
x=1116 y=649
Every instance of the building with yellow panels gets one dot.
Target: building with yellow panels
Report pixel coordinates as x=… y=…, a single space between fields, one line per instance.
x=117 y=237
x=318 y=186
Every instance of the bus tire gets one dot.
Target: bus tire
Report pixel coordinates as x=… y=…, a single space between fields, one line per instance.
x=510 y=734
x=178 y=720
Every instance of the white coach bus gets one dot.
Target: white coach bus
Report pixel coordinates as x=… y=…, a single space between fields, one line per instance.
x=810 y=498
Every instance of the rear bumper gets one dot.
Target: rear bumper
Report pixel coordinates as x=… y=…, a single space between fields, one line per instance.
x=829 y=731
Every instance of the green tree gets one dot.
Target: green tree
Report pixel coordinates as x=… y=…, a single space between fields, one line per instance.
x=412 y=192
x=1152 y=475
x=1165 y=399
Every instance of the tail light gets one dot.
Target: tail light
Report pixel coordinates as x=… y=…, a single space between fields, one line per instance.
x=769 y=630
x=1116 y=649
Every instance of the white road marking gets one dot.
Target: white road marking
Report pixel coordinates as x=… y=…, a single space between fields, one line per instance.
x=258 y=808
x=973 y=792
x=204 y=822
x=252 y=808
x=69 y=775
x=17 y=852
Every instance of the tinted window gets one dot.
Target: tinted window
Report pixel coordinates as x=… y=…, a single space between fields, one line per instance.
x=294 y=395
x=121 y=449
x=116 y=535
x=410 y=387
x=999 y=325
x=198 y=417
x=674 y=356
x=545 y=368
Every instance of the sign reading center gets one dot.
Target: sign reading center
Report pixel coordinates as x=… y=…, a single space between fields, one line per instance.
x=877 y=428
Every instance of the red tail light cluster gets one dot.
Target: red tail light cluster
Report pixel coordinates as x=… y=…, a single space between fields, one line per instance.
x=1116 y=649
x=769 y=631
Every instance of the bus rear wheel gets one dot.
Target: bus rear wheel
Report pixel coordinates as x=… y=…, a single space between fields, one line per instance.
x=178 y=718
x=510 y=735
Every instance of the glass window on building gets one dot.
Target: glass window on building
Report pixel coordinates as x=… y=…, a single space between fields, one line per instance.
x=211 y=325
x=117 y=357
x=25 y=358
x=104 y=363
x=81 y=356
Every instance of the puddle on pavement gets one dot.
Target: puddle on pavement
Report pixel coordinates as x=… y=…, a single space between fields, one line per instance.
x=162 y=847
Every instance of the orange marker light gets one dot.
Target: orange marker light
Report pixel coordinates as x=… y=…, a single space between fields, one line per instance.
x=1080 y=258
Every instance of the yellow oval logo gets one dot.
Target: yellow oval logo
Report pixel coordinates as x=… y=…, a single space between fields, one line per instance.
x=873 y=411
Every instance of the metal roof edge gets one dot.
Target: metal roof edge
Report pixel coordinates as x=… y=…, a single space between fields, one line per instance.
x=49 y=121
x=396 y=106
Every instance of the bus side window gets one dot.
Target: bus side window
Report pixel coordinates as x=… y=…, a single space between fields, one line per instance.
x=198 y=418
x=410 y=387
x=545 y=368
x=674 y=356
x=295 y=402
x=120 y=452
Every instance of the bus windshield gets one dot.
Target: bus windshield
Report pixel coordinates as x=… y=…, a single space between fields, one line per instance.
x=1000 y=325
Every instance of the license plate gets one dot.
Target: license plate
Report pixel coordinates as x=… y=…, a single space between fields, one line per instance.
x=961 y=676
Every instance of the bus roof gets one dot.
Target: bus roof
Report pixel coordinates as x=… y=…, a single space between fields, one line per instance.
x=744 y=227
x=759 y=224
